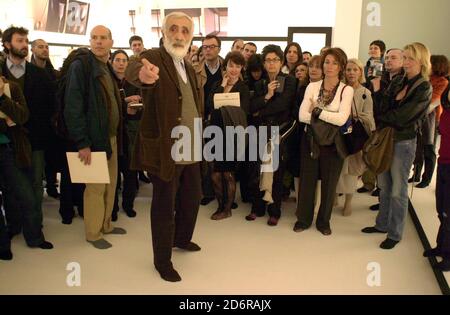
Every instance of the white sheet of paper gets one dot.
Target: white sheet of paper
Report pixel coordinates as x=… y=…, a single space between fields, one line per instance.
x=226 y=99
x=96 y=173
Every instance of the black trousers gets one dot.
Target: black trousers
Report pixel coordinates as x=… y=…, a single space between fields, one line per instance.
x=54 y=160
x=5 y=243
x=130 y=185
x=258 y=204
x=206 y=181
x=71 y=195
x=443 y=208
x=429 y=160
x=174 y=211
x=19 y=202
x=328 y=166
x=243 y=174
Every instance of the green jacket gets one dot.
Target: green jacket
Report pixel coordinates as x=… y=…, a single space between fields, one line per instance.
x=88 y=107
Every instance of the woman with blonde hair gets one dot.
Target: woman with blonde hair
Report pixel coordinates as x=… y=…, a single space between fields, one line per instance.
x=362 y=110
x=404 y=104
x=426 y=147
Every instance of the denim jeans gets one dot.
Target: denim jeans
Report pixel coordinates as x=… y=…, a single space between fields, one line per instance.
x=394 y=190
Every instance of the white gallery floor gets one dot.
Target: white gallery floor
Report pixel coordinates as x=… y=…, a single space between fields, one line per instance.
x=237 y=257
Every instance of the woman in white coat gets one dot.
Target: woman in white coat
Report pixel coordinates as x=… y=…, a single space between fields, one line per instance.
x=362 y=110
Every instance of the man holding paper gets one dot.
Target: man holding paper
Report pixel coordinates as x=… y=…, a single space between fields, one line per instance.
x=95 y=126
x=171 y=100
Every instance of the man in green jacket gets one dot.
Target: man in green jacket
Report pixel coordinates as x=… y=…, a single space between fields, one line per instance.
x=92 y=114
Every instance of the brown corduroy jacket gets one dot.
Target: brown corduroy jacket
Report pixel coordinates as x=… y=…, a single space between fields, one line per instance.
x=162 y=113
x=16 y=109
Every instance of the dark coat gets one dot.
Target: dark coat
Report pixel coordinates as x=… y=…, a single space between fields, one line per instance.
x=279 y=108
x=40 y=98
x=16 y=109
x=88 y=124
x=130 y=122
x=162 y=112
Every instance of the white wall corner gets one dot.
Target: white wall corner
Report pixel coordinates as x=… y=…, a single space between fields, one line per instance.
x=347 y=29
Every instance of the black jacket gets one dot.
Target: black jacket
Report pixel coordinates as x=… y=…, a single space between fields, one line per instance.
x=377 y=97
x=279 y=108
x=405 y=116
x=40 y=97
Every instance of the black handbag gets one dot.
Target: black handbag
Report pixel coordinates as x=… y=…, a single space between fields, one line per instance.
x=355 y=140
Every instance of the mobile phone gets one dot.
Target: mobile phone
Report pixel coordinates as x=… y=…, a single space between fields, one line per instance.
x=281 y=81
x=136 y=105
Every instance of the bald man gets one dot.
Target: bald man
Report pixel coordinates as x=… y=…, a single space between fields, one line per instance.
x=93 y=116
x=39 y=48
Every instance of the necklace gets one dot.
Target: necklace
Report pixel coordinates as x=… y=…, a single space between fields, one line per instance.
x=327 y=96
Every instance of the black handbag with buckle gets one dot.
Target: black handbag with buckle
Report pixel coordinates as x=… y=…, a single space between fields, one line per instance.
x=355 y=140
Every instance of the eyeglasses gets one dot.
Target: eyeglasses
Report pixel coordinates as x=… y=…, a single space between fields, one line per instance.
x=210 y=47
x=273 y=60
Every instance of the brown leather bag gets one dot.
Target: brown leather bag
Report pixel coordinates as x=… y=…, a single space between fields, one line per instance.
x=378 y=151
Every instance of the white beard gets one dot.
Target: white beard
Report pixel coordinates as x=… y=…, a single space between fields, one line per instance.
x=177 y=53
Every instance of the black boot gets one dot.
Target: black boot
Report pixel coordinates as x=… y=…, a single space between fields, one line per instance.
x=6 y=255
x=130 y=213
x=433 y=252
x=143 y=178
x=444 y=265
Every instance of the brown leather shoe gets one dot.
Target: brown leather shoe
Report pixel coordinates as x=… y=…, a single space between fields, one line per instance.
x=190 y=247
x=273 y=221
x=221 y=215
x=325 y=231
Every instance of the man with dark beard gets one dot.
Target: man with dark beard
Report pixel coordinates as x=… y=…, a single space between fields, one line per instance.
x=171 y=100
x=39 y=96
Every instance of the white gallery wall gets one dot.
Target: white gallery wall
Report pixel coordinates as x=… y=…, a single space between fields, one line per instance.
x=400 y=22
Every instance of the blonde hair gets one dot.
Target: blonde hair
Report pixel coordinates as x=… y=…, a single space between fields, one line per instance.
x=360 y=65
x=422 y=55
x=177 y=15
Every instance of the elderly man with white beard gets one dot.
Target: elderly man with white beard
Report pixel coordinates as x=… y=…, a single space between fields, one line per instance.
x=171 y=100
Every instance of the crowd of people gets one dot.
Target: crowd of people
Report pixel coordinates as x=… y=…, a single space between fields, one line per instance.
x=127 y=106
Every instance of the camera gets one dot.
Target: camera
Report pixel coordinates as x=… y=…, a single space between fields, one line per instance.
x=377 y=68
